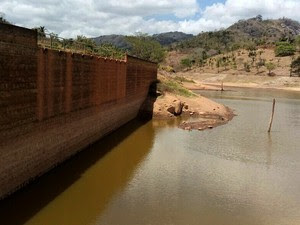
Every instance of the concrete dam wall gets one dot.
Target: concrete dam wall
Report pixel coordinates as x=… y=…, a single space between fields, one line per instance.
x=54 y=103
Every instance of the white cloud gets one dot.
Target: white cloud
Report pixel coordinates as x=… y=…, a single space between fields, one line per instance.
x=69 y=18
x=234 y=10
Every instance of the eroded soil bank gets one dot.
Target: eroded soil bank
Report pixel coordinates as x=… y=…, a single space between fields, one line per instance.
x=173 y=100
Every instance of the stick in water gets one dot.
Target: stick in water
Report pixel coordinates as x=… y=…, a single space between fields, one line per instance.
x=271 y=120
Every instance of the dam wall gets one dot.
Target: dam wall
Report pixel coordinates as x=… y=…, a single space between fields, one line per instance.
x=55 y=103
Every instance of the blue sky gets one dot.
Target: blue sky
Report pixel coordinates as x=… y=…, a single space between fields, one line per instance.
x=69 y=18
x=206 y=3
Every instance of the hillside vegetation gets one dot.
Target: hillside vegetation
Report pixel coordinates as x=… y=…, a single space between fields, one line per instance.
x=121 y=41
x=244 y=34
x=254 y=46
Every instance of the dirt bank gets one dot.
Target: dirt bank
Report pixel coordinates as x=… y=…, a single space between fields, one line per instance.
x=198 y=112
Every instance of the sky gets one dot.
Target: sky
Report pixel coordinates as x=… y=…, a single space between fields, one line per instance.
x=91 y=18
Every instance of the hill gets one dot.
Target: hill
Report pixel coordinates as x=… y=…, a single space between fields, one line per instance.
x=169 y=38
x=116 y=40
x=271 y=30
x=244 y=33
x=164 y=39
x=249 y=35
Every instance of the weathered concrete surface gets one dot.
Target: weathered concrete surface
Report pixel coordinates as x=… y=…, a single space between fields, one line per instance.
x=53 y=104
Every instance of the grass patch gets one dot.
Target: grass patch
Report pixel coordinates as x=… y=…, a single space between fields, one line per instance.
x=183 y=79
x=174 y=87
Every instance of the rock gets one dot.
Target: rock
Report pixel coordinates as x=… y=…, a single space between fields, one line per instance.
x=210 y=127
x=186 y=107
x=178 y=108
x=201 y=113
x=174 y=100
x=191 y=113
x=187 y=128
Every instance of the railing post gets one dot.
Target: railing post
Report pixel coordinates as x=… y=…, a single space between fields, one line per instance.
x=51 y=40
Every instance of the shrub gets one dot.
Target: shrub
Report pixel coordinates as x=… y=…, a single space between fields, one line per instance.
x=247 y=67
x=174 y=87
x=270 y=66
x=295 y=67
x=145 y=47
x=186 y=62
x=169 y=69
x=284 y=49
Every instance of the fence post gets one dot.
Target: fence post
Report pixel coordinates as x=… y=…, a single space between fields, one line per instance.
x=272 y=115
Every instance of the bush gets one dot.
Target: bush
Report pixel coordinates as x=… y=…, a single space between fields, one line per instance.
x=186 y=62
x=145 y=47
x=295 y=67
x=247 y=67
x=270 y=66
x=169 y=69
x=284 y=49
x=174 y=87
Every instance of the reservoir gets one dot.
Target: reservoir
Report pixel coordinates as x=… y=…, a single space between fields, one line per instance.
x=157 y=174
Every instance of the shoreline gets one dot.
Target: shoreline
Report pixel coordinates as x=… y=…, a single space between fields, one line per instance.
x=211 y=81
x=244 y=85
x=197 y=113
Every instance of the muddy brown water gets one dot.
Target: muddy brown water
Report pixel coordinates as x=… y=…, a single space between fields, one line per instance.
x=155 y=173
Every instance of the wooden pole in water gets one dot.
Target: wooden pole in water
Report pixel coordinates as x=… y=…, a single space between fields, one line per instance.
x=271 y=120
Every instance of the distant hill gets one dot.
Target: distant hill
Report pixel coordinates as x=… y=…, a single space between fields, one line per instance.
x=269 y=29
x=116 y=40
x=171 y=37
x=164 y=39
x=245 y=32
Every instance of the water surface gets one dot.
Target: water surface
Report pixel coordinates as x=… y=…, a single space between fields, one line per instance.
x=155 y=173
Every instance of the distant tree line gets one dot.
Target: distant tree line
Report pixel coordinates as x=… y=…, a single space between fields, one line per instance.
x=145 y=47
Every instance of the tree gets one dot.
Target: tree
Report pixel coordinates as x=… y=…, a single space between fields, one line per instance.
x=295 y=67
x=145 y=47
x=270 y=66
x=186 y=62
x=297 y=42
x=260 y=63
x=252 y=55
x=259 y=18
x=247 y=67
x=234 y=66
x=41 y=31
x=218 y=64
x=284 y=49
x=2 y=19
x=88 y=44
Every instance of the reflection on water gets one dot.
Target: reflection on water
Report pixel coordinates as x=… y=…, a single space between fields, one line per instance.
x=77 y=192
x=155 y=173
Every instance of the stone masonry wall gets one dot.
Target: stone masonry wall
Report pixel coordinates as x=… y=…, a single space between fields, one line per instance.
x=53 y=104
